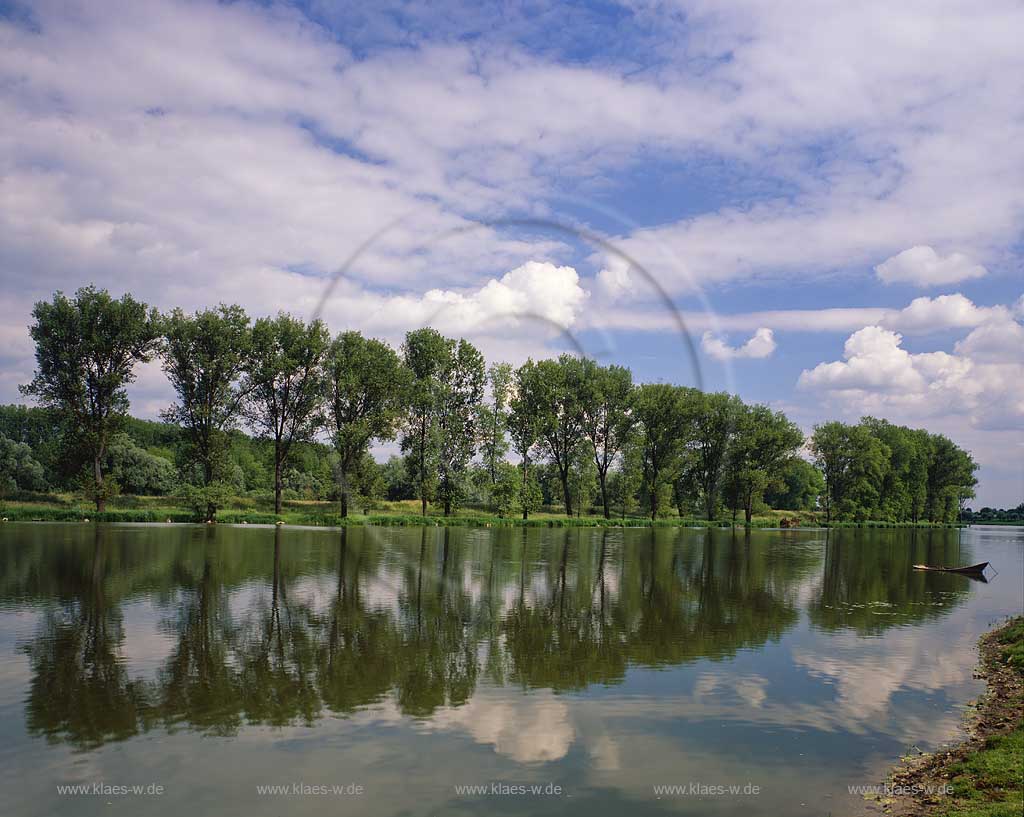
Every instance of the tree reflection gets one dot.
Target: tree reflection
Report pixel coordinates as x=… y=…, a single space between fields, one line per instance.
x=869 y=583
x=80 y=691
x=278 y=633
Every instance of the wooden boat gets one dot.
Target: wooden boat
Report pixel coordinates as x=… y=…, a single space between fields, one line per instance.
x=978 y=568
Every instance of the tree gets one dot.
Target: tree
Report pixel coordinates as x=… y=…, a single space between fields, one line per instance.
x=492 y=418
x=664 y=422
x=798 y=488
x=853 y=463
x=764 y=442
x=606 y=418
x=950 y=478
x=523 y=422
x=583 y=477
x=627 y=479
x=86 y=351
x=19 y=470
x=558 y=389
x=461 y=388
x=205 y=355
x=426 y=354
x=366 y=384
x=136 y=471
x=284 y=385
x=715 y=417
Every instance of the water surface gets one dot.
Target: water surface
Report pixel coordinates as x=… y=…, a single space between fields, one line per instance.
x=564 y=671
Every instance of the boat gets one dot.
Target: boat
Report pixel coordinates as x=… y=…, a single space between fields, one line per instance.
x=978 y=568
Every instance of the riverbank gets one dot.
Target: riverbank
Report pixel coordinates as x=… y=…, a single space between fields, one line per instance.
x=982 y=776
x=400 y=514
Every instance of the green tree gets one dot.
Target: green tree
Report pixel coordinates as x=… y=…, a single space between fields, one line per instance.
x=426 y=353
x=461 y=388
x=764 y=442
x=605 y=417
x=583 y=478
x=136 y=471
x=853 y=463
x=664 y=421
x=558 y=390
x=204 y=357
x=799 y=486
x=86 y=351
x=284 y=385
x=715 y=417
x=523 y=427
x=493 y=417
x=625 y=481
x=950 y=478
x=366 y=384
x=19 y=470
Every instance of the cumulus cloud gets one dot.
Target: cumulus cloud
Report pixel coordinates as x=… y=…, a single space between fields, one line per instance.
x=922 y=266
x=614 y=279
x=760 y=345
x=942 y=312
x=983 y=379
x=536 y=290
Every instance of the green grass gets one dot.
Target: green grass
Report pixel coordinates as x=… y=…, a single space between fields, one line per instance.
x=1012 y=639
x=988 y=782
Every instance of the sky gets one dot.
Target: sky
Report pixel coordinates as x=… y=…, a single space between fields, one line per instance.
x=816 y=205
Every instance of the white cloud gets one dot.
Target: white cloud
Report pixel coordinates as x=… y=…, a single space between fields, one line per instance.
x=760 y=345
x=1000 y=341
x=922 y=266
x=614 y=280
x=955 y=311
x=983 y=380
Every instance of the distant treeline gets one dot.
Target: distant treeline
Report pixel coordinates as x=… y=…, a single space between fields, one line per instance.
x=995 y=516
x=566 y=432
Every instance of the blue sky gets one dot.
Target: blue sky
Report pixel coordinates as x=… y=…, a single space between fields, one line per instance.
x=831 y=195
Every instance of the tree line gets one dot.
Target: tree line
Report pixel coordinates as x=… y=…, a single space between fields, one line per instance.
x=584 y=431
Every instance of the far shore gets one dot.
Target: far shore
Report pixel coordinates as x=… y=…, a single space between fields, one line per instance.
x=298 y=513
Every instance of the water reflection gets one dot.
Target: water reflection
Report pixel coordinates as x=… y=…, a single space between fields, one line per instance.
x=281 y=627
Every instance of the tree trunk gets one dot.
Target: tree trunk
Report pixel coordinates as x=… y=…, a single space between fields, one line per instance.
x=566 y=493
x=748 y=509
x=211 y=509
x=523 y=498
x=603 y=478
x=101 y=502
x=654 y=504
x=423 y=500
x=447 y=506
x=344 y=498
x=278 y=484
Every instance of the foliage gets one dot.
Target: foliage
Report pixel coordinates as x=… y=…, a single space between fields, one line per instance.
x=19 y=470
x=606 y=419
x=460 y=390
x=365 y=382
x=284 y=385
x=425 y=353
x=664 y=428
x=204 y=356
x=493 y=418
x=797 y=488
x=86 y=351
x=136 y=471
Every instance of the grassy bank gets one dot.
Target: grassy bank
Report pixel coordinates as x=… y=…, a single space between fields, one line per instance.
x=68 y=508
x=986 y=773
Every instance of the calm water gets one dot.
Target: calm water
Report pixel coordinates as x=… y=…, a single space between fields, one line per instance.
x=215 y=661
